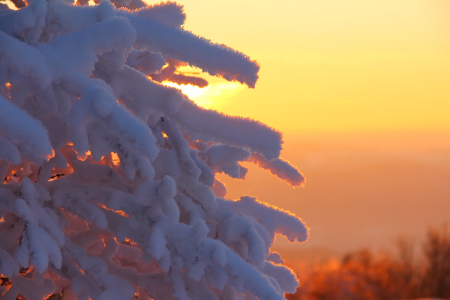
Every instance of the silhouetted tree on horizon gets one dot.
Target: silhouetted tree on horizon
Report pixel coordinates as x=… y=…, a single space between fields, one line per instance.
x=366 y=275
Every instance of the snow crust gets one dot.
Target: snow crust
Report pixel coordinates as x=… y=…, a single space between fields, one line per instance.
x=109 y=187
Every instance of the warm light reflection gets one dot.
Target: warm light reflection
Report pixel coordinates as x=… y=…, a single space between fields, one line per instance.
x=115 y=158
x=48 y=297
x=8 y=85
x=56 y=176
x=130 y=242
x=214 y=96
x=6 y=283
x=25 y=271
x=52 y=155
x=80 y=269
x=84 y=156
x=127 y=241
x=120 y=212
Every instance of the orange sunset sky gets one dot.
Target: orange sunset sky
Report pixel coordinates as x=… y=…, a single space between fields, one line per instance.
x=361 y=90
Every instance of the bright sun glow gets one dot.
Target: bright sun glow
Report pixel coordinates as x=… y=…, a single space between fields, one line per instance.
x=214 y=96
x=190 y=90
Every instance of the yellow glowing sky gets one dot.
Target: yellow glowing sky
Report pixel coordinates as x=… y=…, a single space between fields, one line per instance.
x=332 y=66
x=361 y=90
x=335 y=65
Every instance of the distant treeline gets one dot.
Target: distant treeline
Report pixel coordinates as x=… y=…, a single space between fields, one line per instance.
x=381 y=276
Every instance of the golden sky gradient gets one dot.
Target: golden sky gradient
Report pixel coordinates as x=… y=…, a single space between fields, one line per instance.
x=361 y=90
x=336 y=65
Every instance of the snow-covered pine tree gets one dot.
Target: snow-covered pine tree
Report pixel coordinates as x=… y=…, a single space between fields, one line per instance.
x=109 y=189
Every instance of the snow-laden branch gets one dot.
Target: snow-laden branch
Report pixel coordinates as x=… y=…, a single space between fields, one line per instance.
x=27 y=135
x=78 y=51
x=216 y=59
x=168 y=13
x=109 y=184
x=280 y=168
x=27 y=61
x=144 y=97
x=274 y=219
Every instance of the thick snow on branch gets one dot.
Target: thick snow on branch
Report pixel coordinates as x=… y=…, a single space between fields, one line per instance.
x=24 y=60
x=27 y=23
x=274 y=219
x=145 y=61
x=280 y=168
x=78 y=51
x=168 y=13
x=24 y=132
x=223 y=158
x=144 y=97
x=109 y=184
x=216 y=59
x=213 y=126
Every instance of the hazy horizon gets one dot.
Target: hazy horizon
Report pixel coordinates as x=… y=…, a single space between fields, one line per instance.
x=362 y=190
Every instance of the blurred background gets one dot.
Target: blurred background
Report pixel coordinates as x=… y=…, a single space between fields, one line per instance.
x=361 y=91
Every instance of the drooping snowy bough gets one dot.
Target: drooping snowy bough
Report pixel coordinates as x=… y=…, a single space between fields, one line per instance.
x=109 y=188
